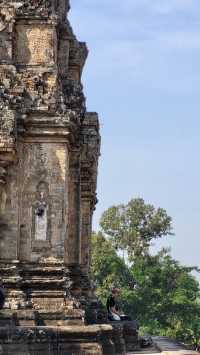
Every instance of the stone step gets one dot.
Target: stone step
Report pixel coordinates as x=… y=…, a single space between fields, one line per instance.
x=168 y=346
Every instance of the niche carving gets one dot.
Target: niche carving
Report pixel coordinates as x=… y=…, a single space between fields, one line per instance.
x=41 y=214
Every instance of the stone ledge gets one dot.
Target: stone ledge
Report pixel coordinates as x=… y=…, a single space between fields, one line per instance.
x=79 y=340
x=125 y=335
x=168 y=346
x=73 y=332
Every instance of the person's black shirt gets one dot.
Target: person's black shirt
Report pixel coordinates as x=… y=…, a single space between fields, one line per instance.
x=110 y=303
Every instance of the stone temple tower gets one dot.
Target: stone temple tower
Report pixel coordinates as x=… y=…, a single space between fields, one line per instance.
x=49 y=149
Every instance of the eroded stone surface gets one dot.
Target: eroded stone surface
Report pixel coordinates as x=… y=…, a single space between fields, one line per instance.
x=30 y=48
x=49 y=149
x=57 y=340
x=47 y=137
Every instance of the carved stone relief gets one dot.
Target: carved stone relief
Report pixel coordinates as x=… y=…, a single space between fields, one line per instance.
x=34 y=45
x=7 y=122
x=35 y=7
x=41 y=214
x=5 y=48
x=7 y=18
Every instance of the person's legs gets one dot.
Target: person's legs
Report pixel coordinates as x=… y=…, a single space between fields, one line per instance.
x=113 y=317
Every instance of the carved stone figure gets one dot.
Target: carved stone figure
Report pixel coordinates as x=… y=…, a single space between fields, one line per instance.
x=41 y=219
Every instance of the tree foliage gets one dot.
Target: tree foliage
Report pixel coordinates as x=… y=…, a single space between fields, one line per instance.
x=133 y=226
x=108 y=268
x=156 y=290
x=168 y=298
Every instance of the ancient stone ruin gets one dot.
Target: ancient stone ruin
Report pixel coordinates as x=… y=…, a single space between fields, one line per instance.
x=49 y=149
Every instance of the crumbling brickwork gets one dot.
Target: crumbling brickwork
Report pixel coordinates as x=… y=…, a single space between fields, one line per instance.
x=49 y=149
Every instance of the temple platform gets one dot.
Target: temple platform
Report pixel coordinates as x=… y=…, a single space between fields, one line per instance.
x=76 y=340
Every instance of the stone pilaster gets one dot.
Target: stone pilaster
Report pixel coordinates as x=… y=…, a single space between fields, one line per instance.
x=8 y=157
x=89 y=165
x=72 y=242
x=86 y=225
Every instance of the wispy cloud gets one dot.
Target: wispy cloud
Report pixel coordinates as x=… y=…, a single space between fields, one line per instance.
x=141 y=40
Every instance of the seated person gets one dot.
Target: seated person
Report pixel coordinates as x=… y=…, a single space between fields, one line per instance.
x=111 y=305
x=114 y=313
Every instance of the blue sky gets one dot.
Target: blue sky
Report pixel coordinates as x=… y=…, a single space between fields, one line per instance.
x=143 y=78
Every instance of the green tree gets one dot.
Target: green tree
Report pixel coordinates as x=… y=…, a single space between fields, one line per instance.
x=133 y=226
x=168 y=298
x=108 y=269
x=156 y=290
